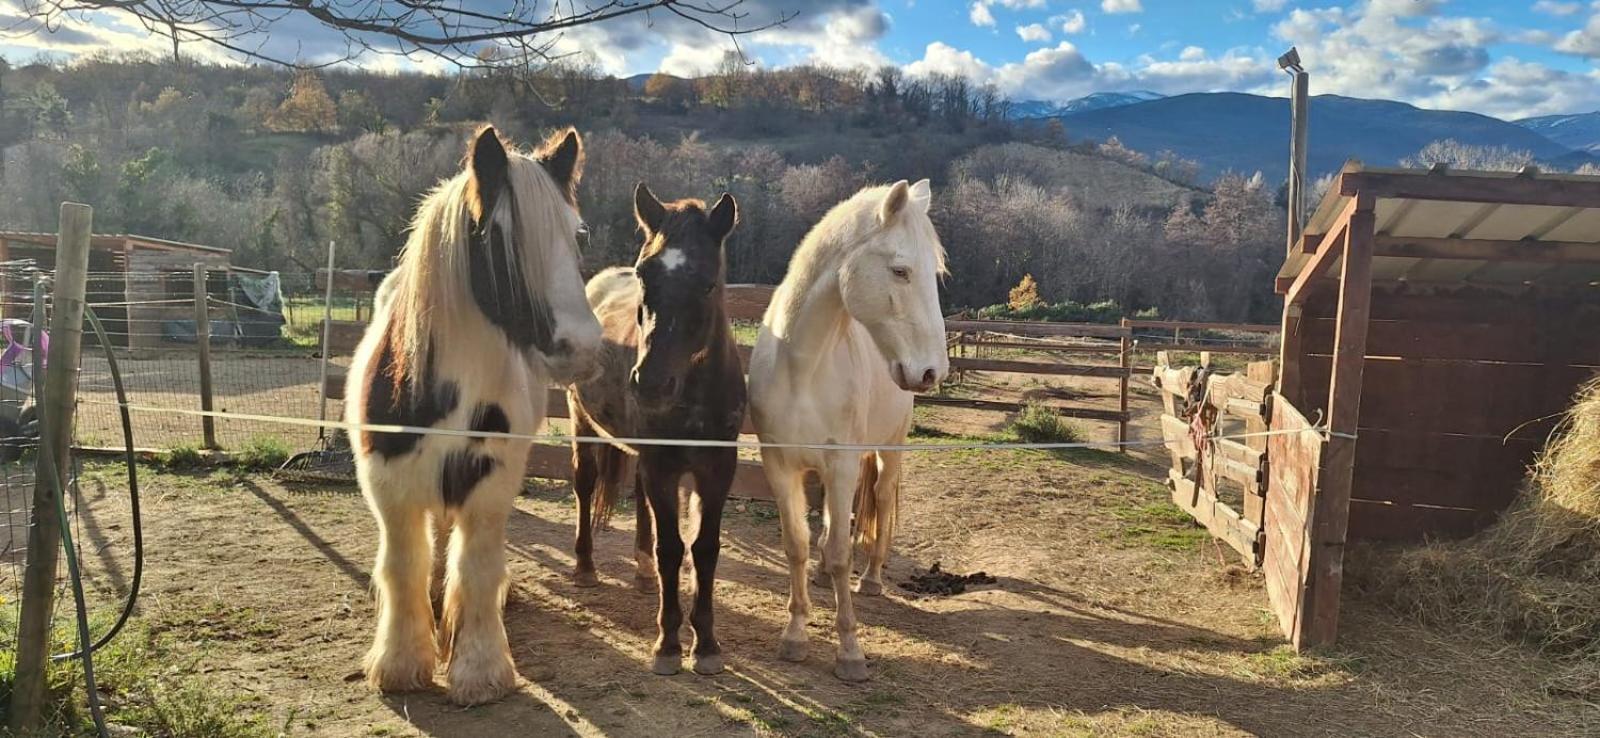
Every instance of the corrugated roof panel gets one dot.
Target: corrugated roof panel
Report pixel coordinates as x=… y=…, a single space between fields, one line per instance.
x=1515 y=222
x=1585 y=226
x=1436 y=219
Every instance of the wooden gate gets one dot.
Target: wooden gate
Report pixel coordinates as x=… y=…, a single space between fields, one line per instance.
x=1294 y=455
x=1221 y=482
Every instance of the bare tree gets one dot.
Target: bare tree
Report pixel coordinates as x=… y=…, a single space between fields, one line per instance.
x=523 y=34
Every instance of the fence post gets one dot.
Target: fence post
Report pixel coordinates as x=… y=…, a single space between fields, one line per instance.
x=57 y=402
x=202 y=337
x=1124 y=360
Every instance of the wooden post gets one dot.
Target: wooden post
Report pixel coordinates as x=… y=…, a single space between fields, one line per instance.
x=327 y=323
x=1298 y=121
x=59 y=398
x=1124 y=360
x=202 y=337
x=1330 y=509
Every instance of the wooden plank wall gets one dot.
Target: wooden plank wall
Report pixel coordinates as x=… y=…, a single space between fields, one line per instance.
x=1295 y=460
x=1460 y=391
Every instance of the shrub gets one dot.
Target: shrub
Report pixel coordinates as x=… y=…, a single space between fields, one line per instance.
x=1105 y=311
x=1039 y=424
x=1025 y=295
x=183 y=456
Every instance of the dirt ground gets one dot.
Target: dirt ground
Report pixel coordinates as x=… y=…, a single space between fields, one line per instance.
x=1111 y=616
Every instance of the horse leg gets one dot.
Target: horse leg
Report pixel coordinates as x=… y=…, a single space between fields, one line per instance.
x=644 y=539
x=585 y=472
x=844 y=470
x=661 y=489
x=712 y=482
x=402 y=655
x=789 y=492
x=887 y=490
x=472 y=633
x=440 y=546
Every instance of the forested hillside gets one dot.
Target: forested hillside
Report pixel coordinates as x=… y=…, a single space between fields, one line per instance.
x=274 y=164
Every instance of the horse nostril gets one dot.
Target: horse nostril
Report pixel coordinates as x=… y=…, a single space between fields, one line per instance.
x=928 y=376
x=562 y=347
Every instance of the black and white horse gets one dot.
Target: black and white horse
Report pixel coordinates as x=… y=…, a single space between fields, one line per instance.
x=485 y=309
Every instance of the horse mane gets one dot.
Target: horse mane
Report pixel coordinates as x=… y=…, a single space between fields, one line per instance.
x=432 y=281
x=830 y=241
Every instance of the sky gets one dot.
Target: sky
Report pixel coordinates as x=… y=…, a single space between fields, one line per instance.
x=1506 y=58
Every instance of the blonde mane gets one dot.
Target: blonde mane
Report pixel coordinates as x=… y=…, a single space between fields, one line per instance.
x=831 y=241
x=432 y=281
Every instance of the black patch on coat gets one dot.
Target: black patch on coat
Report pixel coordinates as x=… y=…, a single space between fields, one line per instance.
x=461 y=472
x=398 y=403
x=489 y=418
x=495 y=272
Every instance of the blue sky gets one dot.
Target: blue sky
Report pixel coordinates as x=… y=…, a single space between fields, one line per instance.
x=1508 y=58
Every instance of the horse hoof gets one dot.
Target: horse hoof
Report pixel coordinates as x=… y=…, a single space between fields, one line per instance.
x=791 y=650
x=397 y=671
x=869 y=588
x=708 y=665
x=585 y=578
x=666 y=664
x=851 y=670
x=482 y=688
x=645 y=584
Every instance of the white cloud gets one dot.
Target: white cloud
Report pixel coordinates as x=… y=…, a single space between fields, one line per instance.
x=1033 y=32
x=1559 y=9
x=1585 y=41
x=980 y=14
x=1121 y=6
x=942 y=58
x=1192 y=53
x=1071 y=22
x=1269 y=6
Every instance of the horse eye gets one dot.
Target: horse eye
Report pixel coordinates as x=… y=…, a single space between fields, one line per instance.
x=639 y=316
x=901 y=272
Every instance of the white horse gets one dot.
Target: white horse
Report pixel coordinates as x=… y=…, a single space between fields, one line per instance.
x=854 y=329
x=485 y=308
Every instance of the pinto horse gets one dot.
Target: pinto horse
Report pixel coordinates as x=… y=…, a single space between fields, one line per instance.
x=851 y=332
x=484 y=309
x=669 y=369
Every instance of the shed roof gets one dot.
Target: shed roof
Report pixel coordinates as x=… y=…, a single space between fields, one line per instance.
x=115 y=241
x=1440 y=227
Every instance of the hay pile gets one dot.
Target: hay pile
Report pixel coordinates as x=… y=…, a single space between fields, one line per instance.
x=1534 y=576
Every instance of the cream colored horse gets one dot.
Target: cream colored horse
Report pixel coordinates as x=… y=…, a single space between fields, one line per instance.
x=854 y=329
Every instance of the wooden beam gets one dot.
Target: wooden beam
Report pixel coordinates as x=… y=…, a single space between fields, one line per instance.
x=1037 y=328
x=1517 y=190
x=1036 y=367
x=1192 y=325
x=1328 y=251
x=1476 y=249
x=1330 y=512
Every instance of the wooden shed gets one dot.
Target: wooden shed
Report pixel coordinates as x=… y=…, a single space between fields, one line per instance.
x=137 y=282
x=1438 y=322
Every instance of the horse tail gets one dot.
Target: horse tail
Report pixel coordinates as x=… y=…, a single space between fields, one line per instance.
x=868 y=513
x=612 y=472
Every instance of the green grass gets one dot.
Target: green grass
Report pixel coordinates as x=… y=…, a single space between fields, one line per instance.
x=1040 y=424
x=1283 y=664
x=262 y=453
x=144 y=684
x=304 y=316
x=183 y=456
x=1160 y=525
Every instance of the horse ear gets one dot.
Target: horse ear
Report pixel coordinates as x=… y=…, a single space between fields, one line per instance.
x=922 y=195
x=647 y=209
x=723 y=216
x=894 y=202
x=487 y=166
x=563 y=159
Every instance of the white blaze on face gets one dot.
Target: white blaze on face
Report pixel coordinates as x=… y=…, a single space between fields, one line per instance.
x=672 y=259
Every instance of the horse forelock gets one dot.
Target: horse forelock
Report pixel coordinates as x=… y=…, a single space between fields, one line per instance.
x=532 y=217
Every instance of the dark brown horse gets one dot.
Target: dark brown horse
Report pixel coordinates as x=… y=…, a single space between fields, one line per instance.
x=669 y=369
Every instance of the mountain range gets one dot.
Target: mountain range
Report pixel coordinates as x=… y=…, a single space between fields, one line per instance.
x=1231 y=131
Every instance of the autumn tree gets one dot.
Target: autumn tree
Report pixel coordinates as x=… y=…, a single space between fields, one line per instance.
x=308 y=108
